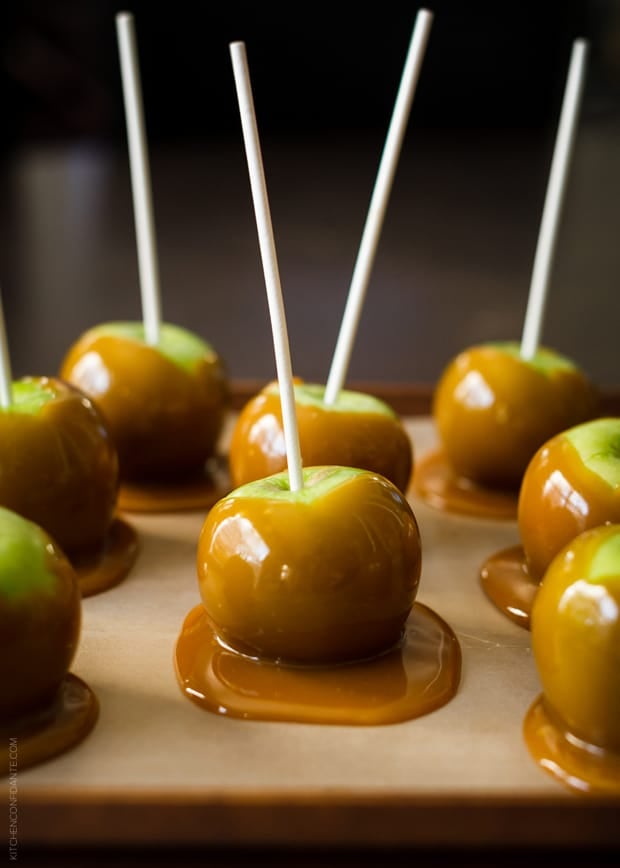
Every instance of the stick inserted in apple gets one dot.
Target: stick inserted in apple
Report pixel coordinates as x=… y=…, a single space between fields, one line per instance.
x=311 y=566
x=307 y=568
x=338 y=426
x=162 y=389
x=496 y=403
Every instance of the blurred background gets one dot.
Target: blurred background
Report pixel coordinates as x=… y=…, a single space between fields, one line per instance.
x=457 y=247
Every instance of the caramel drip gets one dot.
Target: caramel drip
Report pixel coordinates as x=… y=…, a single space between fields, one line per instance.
x=438 y=485
x=413 y=679
x=111 y=564
x=579 y=766
x=30 y=741
x=177 y=496
x=507 y=582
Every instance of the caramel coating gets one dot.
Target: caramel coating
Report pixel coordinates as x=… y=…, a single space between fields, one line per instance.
x=493 y=411
x=59 y=467
x=575 y=629
x=372 y=441
x=164 y=420
x=325 y=580
x=559 y=499
x=39 y=632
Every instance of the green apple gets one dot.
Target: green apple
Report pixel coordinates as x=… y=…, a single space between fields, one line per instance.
x=40 y=611
x=571 y=484
x=165 y=406
x=575 y=628
x=493 y=409
x=358 y=430
x=58 y=465
x=328 y=573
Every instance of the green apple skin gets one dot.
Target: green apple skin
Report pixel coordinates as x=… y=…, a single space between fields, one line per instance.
x=571 y=484
x=165 y=406
x=40 y=616
x=575 y=627
x=322 y=575
x=493 y=409
x=358 y=430
x=58 y=465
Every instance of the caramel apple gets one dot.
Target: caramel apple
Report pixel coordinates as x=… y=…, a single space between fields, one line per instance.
x=571 y=484
x=308 y=577
x=325 y=574
x=573 y=730
x=40 y=611
x=493 y=409
x=58 y=464
x=40 y=615
x=164 y=406
x=308 y=606
x=358 y=430
x=59 y=469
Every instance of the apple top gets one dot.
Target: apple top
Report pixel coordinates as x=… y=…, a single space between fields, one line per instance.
x=544 y=360
x=598 y=444
x=179 y=345
x=30 y=395
x=347 y=401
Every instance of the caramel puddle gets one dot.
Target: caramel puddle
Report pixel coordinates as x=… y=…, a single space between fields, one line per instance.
x=578 y=765
x=178 y=496
x=415 y=678
x=52 y=731
x=438 y=485
x=108 y=566
x=506 y=581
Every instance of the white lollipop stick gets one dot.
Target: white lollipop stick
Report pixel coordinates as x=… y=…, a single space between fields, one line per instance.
x=140 y=177
x=270 y=263
x=378 y=205
x=556 y=188
x=6 y=377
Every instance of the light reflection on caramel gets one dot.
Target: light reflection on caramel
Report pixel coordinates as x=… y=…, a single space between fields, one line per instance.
x=419 y=676
x=52 y=731
x=108 y=566
x=439 y=486
x=578 y=765
x=507 y=582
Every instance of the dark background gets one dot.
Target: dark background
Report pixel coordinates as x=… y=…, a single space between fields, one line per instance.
x=456 y=251
x=315 y=67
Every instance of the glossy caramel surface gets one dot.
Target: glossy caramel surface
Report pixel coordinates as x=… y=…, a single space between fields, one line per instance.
x=575 y=627
x=419 y=675
x=371 y=441
x=59 y=467
x=493 y=411
x=559 y=499
x=164 y=420
x=328 y=578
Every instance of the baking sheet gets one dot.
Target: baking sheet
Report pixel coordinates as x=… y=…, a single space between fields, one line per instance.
x=152 y=746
